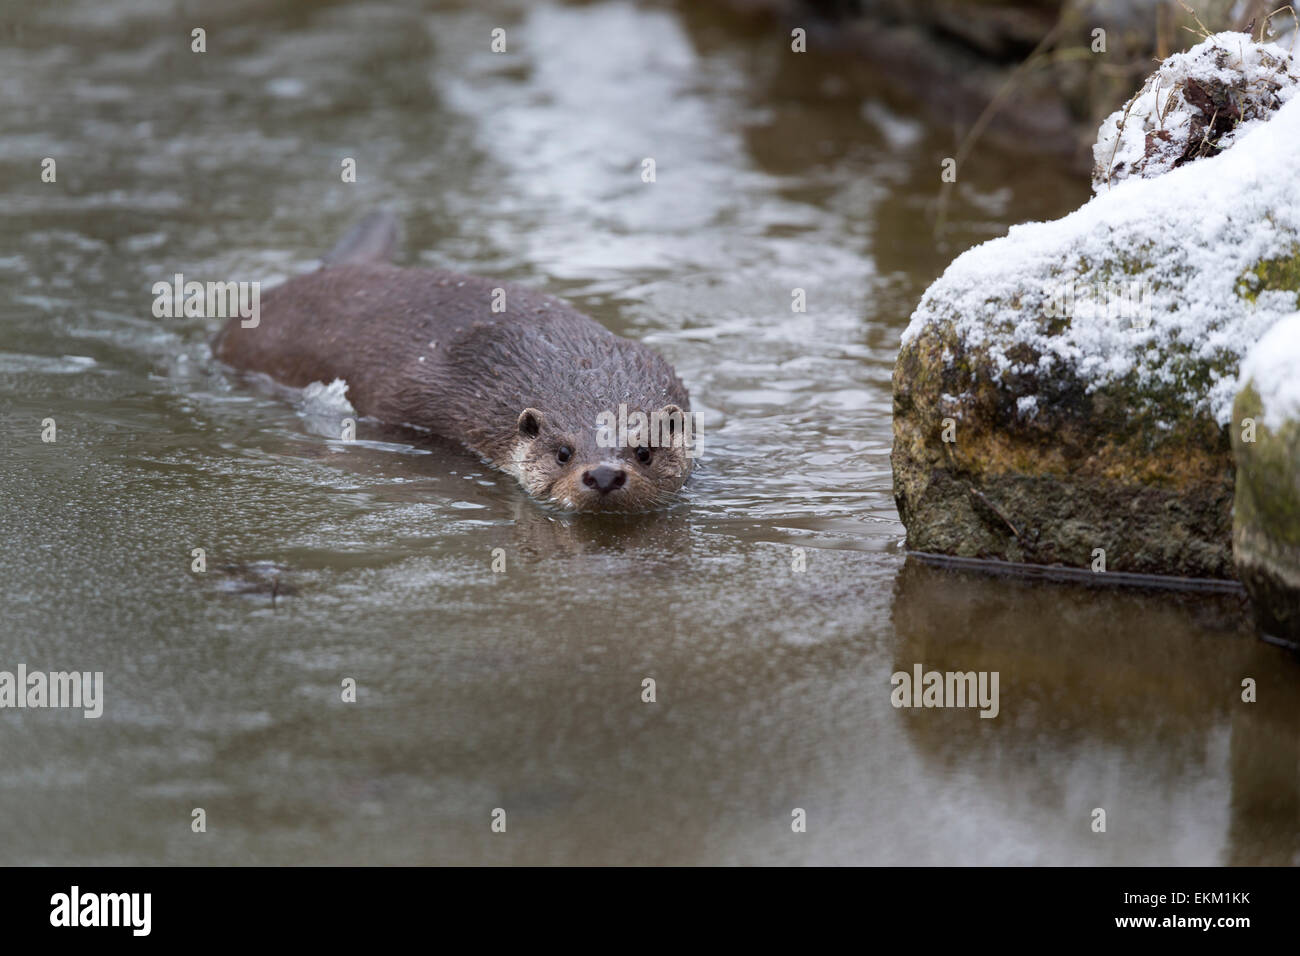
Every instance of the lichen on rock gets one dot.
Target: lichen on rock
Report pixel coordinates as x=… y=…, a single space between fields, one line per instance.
x=1098 y=419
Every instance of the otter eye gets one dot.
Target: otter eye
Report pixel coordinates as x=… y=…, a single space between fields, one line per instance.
x=564 y=454
x=643 y=455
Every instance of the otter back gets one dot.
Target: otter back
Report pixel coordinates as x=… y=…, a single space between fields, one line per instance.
x=424 y=348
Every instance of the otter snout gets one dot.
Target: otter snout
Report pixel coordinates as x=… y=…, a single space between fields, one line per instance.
x=604 y=478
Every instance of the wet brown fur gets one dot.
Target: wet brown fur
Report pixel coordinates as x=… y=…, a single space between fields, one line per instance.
x=423 y=348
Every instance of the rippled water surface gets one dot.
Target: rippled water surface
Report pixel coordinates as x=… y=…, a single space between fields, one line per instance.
x=522 y=690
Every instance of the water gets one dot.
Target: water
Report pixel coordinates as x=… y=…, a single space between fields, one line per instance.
x=372 y=561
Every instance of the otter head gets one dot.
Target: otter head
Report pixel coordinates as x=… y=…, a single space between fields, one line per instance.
x=594 y=467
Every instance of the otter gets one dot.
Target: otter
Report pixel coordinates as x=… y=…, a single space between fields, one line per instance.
x=525 y=388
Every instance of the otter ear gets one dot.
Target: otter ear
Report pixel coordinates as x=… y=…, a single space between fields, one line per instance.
x=530 y=422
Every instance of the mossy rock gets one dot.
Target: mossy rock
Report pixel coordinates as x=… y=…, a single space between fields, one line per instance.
x=1076 y=428
x=1266 y=517
x=1091 y=469
x=1281 y=273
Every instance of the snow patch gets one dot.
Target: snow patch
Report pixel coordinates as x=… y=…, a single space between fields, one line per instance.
x=319 y=399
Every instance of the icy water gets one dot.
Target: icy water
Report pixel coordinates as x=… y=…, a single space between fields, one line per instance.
x=522 y=690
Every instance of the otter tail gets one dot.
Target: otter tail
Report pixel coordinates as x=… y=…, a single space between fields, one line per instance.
x=374 y=239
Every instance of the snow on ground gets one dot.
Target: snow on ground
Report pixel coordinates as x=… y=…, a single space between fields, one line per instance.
x=1185 y=239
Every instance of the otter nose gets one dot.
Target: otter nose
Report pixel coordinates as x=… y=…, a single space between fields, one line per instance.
x=604 y=478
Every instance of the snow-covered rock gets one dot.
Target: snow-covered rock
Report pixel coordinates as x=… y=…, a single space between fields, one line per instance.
x=1272 y=370
x=1083 y=371
x=1266 y=516
x=1196 y=104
